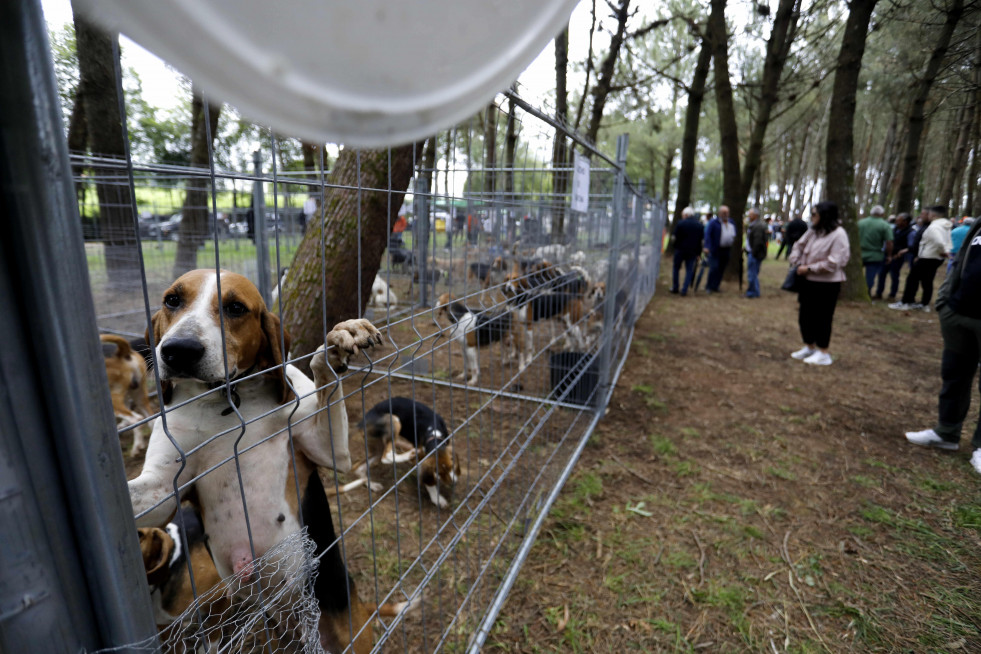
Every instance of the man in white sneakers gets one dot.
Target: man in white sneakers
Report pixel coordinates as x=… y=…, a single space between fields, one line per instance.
x=959 y=310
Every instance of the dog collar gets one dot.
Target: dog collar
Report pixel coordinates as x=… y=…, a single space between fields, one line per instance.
x=229 y=391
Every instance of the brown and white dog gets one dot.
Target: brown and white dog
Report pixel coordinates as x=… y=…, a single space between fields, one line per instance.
x=126 y=371
x=403 y=430
x=269 y=416
x=473 y=330
x=543 y=292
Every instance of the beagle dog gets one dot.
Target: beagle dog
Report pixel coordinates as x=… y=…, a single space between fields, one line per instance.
x=381 y=295
x=165 y=557
x=472 y=331
x=480 y=273
x=545 y=292
x=245 y=445
x=126 y=371
x=402 y=430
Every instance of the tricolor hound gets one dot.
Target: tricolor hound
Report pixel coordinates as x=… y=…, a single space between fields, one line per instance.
x=269 y=416
x=402 y=430
x=473 y=330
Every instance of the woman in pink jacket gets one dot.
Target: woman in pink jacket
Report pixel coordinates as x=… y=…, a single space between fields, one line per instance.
x=820 y=256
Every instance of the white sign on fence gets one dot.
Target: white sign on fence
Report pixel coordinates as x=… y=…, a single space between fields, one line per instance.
x=580 y=184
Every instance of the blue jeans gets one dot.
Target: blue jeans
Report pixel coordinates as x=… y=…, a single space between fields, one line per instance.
x=689 y=262
x=717 y=266
x=752 y=275
x=872 y=270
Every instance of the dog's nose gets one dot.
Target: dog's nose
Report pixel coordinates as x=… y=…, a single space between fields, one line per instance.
x=182 y=354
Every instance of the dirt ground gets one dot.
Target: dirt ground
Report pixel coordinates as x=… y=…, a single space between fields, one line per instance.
x=736 y=500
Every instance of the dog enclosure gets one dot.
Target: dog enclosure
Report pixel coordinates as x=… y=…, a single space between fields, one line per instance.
x=483 y=208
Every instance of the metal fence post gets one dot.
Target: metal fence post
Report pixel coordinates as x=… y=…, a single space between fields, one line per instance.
x=71 y=575
x=609 y=305
x=639 y=202
x=261 y=236
x=420 y=235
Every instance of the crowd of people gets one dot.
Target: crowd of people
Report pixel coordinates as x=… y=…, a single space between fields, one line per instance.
x=818 y=253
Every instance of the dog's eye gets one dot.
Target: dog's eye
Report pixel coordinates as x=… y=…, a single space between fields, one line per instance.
x=172 y=301
x=236 y=309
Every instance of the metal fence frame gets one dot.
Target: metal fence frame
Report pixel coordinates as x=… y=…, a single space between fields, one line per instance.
x=68 y=555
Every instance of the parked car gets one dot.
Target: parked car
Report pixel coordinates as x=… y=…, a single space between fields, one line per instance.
x=170 y=229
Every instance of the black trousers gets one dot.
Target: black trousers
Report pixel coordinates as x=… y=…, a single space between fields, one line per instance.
x=921 y=274
x=958 y=366
x=817 y=309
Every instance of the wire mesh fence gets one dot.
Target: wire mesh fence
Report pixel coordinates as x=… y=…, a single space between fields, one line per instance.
x=504 y=317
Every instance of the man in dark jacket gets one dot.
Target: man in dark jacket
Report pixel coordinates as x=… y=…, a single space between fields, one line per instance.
x=792 y=232
x=959 y=309
x=720 y=234
x=756 y=243
x=687 y=247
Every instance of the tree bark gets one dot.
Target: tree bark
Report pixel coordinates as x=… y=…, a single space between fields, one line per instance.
x=840 y=144
x=886 y=163
x=490 y=151
x=560 y=147
x=957 y=161
x=728 y=130
x=100 y=103
x=689 y=139
x=917 y=118
x=322 y=284
x=604 y=80
x=196 y=210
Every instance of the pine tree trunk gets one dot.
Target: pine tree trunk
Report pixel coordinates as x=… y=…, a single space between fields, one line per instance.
x=100 y=103
x=332 y=264
x=490 y=151
x=604 y=79
x=886 y=162
x=840 y=143
x=959 y=157
x=560 y=147
x=689 y=140
x=197 y=209
x=917 y=118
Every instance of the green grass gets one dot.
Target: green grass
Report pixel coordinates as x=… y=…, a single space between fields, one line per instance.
x=662 y=445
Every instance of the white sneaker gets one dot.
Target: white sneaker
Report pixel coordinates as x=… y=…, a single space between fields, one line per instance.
x=926 y=309
x=803 y=353
x=900 y=306
x=976 y=459
x=819 y=358
x=930 y=438
x=916 y=306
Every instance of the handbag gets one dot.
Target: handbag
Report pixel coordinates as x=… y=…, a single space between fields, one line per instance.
x=793 y=281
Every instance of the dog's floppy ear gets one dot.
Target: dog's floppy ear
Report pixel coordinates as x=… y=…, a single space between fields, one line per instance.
x=271 y=355
x=156 y=546
x=166 y=387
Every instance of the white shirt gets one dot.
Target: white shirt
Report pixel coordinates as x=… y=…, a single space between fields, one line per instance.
x=728 y=234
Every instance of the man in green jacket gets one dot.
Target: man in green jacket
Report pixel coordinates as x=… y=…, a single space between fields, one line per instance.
x=875 y=237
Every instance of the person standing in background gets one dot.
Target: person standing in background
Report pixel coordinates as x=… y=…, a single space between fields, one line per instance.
x=720 y=234
x=792 y=232
x=757 y=240
x=820 y=256
x=876 y=239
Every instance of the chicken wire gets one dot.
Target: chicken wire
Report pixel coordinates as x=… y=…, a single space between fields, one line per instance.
x=518 y=430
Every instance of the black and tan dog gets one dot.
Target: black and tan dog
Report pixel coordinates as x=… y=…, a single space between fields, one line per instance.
x=402 y=430
x=542 y=292
x=473 y=330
